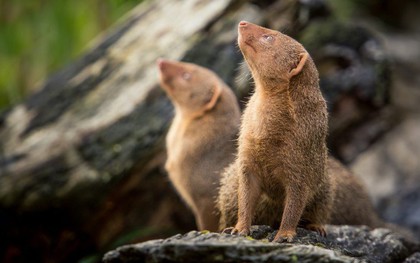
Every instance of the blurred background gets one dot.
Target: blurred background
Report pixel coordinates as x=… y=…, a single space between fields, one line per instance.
x=83 y=120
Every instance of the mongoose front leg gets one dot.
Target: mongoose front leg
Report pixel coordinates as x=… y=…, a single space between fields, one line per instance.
x=293 y=210
x=248 y=193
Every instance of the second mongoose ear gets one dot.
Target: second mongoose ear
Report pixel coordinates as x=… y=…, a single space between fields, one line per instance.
x=216 y=94
x=299 y=67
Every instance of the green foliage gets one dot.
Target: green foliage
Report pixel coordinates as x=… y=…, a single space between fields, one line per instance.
x=38 y=37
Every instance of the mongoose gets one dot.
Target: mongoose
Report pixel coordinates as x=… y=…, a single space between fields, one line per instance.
x=201 y=140
x=340 y=195
x=282 y=142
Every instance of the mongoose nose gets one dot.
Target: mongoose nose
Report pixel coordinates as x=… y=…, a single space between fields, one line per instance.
x=160 y=62
x=243 y=23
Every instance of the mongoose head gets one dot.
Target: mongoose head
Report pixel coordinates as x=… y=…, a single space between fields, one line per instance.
x=273 y=57
x=191 y=88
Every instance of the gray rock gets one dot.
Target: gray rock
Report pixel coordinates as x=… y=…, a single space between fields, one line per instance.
x=413 y=258
x=343 y=244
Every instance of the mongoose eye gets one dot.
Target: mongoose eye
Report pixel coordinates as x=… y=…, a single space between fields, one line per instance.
x=186 y=76
x=268 y=38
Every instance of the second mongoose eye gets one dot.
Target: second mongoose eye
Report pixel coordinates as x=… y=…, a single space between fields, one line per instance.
x=186 y=76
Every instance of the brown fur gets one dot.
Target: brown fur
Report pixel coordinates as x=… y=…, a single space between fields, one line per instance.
x=201 y=140
x=282 y=150
x=351 y=203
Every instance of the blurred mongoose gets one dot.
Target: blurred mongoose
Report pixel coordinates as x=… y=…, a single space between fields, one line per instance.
x=282 y=143
x=201 y=140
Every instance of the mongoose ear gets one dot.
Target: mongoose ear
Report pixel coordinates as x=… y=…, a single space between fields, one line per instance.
x=213 y=100
x=299 y=67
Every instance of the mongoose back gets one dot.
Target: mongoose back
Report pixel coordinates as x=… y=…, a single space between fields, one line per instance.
x=201 y=140
x=282 y=143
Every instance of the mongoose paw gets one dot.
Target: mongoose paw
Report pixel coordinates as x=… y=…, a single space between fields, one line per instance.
x=235 y=231
x=317 y=228
x=242 y=231
x=227 y=230
x=285 y=235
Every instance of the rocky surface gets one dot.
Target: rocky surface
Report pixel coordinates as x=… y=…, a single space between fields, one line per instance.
x=342 y=244
x=413 y=258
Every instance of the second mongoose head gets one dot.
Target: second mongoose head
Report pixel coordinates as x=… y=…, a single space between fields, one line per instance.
x=186 y=85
